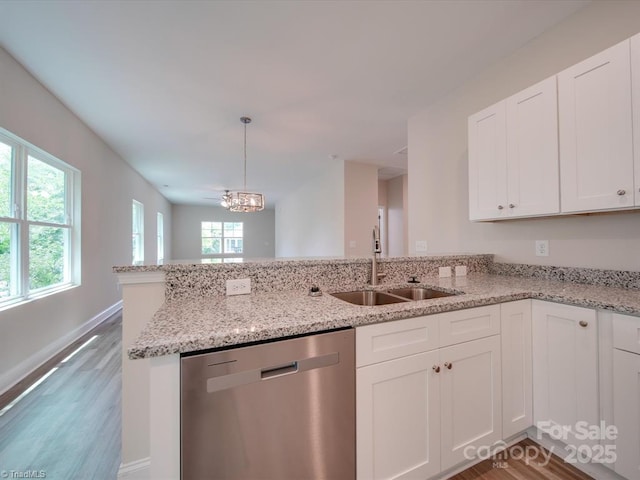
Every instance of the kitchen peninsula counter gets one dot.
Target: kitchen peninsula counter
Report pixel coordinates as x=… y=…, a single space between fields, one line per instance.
x=197 y=322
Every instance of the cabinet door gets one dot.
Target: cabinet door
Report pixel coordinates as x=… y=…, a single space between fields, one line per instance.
x=635 y=94
x=487 y=164
x=471 y=399
x=532 y=151
x=565 y=368
x=517 y=373
x=626 y=411
x=397 y=418
x=596 y=151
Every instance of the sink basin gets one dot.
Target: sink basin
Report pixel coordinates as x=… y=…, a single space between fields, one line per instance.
x=419 y=293
x=369 y=297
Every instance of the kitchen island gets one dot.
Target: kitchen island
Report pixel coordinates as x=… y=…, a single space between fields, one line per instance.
x=194 y=314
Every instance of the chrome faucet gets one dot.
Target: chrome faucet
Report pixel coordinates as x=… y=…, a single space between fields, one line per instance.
x=375 y=275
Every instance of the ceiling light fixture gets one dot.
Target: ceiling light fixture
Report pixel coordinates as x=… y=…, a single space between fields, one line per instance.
x=243 y=201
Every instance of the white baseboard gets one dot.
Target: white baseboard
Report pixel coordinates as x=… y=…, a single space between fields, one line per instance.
x=138 y=470
x=28 y=365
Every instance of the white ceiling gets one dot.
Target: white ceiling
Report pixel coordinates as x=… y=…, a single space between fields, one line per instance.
x=165 y=83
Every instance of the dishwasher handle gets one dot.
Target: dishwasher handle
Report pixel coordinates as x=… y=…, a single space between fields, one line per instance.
x=225 y=382
x=279 y=371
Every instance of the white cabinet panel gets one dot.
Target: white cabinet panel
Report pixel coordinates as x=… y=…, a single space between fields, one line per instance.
x=487 y=164
x=532 y=151
x=385 y=341
x=565 y=367
x=398 y=418
x=471 y=398
x=595 y=115
x=517 y=383
x=470 y=324
x=626 y=333
x=626 y=385
x=635 y=97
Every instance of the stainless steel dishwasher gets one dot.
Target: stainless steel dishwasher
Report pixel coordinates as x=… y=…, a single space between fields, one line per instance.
x=282 y=410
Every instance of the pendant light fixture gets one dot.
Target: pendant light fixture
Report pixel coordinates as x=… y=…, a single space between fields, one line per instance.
x=243 y=201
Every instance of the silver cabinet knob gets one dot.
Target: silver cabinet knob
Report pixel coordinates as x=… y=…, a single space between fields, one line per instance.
x=500 y=207
x=583 y=323
x=511 y=205
x=436 y=368
x=448 y=365
x=621 y=192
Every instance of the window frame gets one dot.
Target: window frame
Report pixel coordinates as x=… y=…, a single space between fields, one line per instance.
x=137 y=257
x=20 y=224
x=160 y=238
x=225 y=257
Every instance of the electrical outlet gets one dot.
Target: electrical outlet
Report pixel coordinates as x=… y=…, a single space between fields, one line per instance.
x=444 y=272
x=241 y=286
x=352 y=244
x=421 y=245
x=542 y=248
x=461 y=270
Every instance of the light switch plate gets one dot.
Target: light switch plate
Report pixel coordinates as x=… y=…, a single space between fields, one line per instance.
x=241 y=286
x=461 y=270
x=444 y=272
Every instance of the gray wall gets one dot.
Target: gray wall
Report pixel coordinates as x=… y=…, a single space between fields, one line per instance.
x=438 y=185
x=310 y=219
x=33 y=331
x=259 y=230
x=397 y=216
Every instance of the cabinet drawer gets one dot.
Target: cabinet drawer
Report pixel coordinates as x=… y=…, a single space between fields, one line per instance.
x=471 y=324
x=386 y=341
x=626 y=332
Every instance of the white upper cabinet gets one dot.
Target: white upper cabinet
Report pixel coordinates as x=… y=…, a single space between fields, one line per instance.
x=487 y=163
x=513 y=156
x=595 y=120
x=635 y=97
x=532 y=151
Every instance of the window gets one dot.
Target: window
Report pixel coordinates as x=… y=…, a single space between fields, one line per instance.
x=39 y=224
x=160 y=249
x=222 y=240
x=137 y=233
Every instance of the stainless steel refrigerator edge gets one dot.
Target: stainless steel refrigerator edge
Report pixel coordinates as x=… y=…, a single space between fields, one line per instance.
x=281 y=410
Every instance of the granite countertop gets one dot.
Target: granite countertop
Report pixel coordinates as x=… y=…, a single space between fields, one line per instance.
x=192 y=324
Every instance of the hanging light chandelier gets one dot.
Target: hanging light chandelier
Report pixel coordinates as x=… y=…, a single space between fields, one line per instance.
x=243 y=201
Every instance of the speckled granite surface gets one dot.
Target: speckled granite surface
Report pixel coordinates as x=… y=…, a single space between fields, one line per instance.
x=591 y=276
x=194 y=280
x=190 y=323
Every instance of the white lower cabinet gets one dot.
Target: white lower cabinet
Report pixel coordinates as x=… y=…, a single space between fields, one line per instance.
x=470 y=401
x=431 y=390
x=565 y=369
x=422 y=413
x=517 y=383
x=626 y=394
x=626 y=399
x=398 y=418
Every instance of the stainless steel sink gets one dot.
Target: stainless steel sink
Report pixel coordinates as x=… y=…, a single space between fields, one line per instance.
x=419 y=293
x=369 y=298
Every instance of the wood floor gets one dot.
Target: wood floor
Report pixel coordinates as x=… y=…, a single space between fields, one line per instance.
x=515 y=463
x=68 y=427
